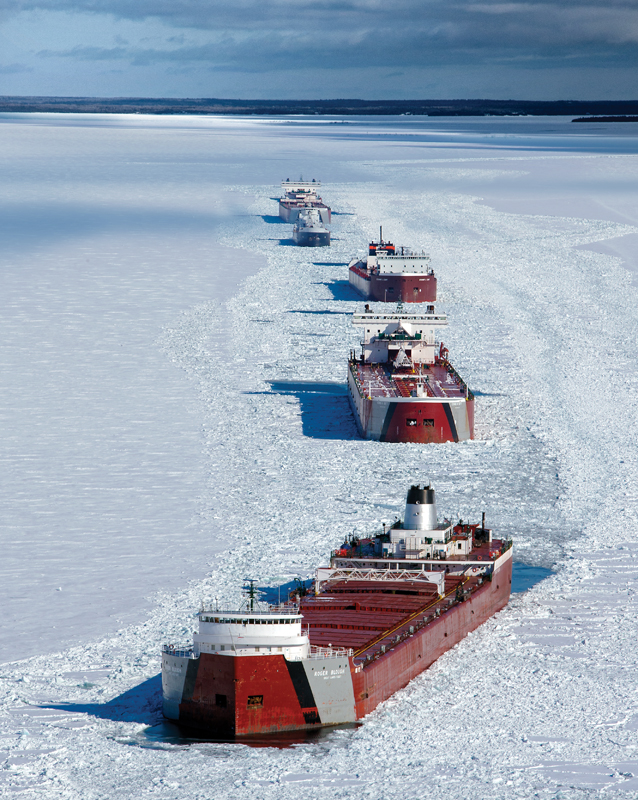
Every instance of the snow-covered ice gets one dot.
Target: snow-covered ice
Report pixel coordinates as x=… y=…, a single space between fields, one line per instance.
x=173 y=420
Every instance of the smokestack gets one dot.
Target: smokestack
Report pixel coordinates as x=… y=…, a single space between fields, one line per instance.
x=420 y=509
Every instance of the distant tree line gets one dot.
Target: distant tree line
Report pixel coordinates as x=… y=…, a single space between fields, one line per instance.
x=605 y=119
x=431 y=108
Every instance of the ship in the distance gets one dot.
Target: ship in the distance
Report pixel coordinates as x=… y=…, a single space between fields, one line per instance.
x=309 y=230
x=386 y=607
x=391 y=275
x=300 y=195
x=402 y=387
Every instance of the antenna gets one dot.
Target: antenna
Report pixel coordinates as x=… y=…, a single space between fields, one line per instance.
x=380 y=234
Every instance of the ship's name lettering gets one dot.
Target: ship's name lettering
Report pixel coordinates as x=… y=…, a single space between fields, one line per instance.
x=337 y=671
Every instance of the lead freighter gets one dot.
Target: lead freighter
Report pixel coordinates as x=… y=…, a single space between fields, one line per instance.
x=385 y=608
x=300 y=195
x=402 y=387
x=390 y=276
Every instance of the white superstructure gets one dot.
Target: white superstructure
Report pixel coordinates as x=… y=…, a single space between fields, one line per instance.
x=300 y=188
x=386 y=336
x=409 y=264
x=259 y=632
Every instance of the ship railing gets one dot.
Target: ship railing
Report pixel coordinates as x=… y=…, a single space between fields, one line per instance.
x=171 y=650
x=283 y=610
x=330 y=652
x=469 y=394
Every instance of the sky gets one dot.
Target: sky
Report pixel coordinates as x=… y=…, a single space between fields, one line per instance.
x=286 y=49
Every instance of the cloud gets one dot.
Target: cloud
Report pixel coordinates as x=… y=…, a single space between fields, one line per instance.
x=89 y=54
x=14 y=69
x=258 y=36
x=612 y=21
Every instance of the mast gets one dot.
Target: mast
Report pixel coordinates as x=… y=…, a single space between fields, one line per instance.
x=250 y=592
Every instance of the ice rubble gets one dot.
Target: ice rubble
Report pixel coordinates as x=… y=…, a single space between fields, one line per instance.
x=539 y=700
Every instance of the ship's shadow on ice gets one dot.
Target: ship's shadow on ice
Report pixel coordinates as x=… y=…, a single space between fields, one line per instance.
x=271 y=219
x=292 y=243
x=341 y=290
x=273 y=595
x=524 y=576
x=323 y=311
x=165 y=732
x=142 y=703
x=325 y=410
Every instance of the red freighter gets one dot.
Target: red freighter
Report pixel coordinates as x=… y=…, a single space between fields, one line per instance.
x=385 y=608
x=390 y=276
x=300 y=196
x=402 y=387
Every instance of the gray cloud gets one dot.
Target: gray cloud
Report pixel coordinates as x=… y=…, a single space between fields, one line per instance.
x=14 y=69
x=268 y=35
x=612 y=21
x=257 y=36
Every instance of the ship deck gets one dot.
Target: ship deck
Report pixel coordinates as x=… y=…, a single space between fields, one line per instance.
x=372 y=616
x=373 y=621
x=305 y=203
x=382 y=380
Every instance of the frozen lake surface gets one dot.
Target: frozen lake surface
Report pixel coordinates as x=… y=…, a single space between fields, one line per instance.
x=173 y=419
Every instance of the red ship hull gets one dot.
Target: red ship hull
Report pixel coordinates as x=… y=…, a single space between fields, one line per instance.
x=286 y=706
x=431 y=420
x=384 y=677
x=398 y=422
x=388 y=288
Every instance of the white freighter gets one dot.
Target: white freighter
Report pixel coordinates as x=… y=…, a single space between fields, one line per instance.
x=403 y=387
x=300 y=195
x=309 y=230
